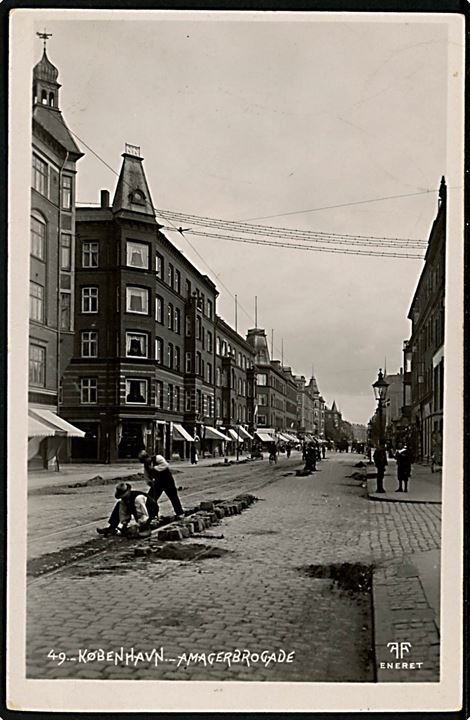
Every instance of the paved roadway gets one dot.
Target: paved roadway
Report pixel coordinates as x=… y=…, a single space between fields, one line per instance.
x=254 y=597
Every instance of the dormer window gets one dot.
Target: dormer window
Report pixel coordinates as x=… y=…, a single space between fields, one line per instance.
x=137 y=197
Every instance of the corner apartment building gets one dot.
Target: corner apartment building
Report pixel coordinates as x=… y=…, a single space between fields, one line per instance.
x=142 y=369
x=51 y=306
x=424 y=351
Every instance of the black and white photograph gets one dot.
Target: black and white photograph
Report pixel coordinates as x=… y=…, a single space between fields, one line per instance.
x=235 y=416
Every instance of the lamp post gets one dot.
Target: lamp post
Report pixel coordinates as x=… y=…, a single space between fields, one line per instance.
x=380 y=391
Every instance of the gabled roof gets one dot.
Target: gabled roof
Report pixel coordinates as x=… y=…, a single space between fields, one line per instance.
x=52 y=122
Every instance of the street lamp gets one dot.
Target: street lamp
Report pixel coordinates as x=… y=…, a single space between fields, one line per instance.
x=380 y=391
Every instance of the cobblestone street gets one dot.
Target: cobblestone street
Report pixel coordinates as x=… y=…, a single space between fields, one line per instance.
x=256 y=596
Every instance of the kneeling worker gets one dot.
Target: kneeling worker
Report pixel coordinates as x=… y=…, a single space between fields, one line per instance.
x=131 y=504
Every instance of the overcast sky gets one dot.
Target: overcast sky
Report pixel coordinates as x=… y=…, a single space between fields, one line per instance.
x=254 y=118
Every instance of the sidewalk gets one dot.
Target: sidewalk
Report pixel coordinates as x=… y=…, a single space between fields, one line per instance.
x=423 y=487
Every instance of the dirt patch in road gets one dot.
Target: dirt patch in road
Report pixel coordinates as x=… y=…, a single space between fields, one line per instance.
x=351 y=596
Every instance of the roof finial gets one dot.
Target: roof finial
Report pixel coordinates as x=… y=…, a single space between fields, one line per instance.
x=44 y=37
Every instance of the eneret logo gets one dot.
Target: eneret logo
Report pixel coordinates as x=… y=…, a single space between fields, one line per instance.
x=400 y=650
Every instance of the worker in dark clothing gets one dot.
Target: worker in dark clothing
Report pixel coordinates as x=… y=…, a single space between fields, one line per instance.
x=160 y=480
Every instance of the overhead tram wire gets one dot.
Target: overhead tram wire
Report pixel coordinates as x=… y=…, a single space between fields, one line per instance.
x=311 y=248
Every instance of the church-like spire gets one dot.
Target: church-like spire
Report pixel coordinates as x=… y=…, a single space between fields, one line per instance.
x=132 y=191
x=45 y=74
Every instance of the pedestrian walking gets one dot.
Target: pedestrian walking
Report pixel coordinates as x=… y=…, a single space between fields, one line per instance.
x=404 y=461
x=323 y=450
x=132 y=504
x=288 y=450
x=380 y=462
x=194 y=457
x=310 y=458
x=161 y=481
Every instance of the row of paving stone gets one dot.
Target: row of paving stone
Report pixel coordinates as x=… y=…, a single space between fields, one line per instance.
x=209 y=512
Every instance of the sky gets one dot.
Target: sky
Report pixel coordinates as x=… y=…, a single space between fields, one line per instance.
x=255 y=117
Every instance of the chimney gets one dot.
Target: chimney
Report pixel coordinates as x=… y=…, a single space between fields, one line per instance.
x=105 y=198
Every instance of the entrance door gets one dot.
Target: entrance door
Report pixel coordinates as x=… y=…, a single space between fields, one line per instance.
x=86 y=448
x=131 y=441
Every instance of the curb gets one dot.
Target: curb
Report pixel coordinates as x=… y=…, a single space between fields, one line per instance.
x=386 y=497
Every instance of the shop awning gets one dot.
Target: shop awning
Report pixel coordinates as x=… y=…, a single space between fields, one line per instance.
x=60 y=425
x=179 y=433
x=235 y=436
x=244 y=433
x=265 y=437
x=290 y=437
x=36 y=428
x=211 y=433
x=283 y=438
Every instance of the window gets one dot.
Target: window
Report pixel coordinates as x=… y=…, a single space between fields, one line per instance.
x=170 y=397
x=209 y=309
x=89 y=254
x=89 y=343
x=88 y=391
x=218 y=407
x=261 y=379
x=188 y=288
x=159 y=265
x=199 y=401
x=177 y=355
x=217 y=346
x=188 y=363
x=177 y=399
x=209 y=341
x=36 y=302
x=177 y=321
x=40 y=179
x=159 y=394
x=210 y=406
x=188 y=326
x=177 y=287
x=37 y=365
x=136 y=391
x=218 y=377
x=159 y=309
x=65 y=251
x=38 y=238
x=66 y=199
x=198 y=363
x=65 y=311
x=198 y=328
x=137 y=255
x=187 y=402
x=262 y=400
x=240 y=360
x=224 y=348
x=158 y=350
x=170 y=316
x=170 y=355
x=136 y=344
x=261 y=419
x=209 y=373
x=137 y=197
x=171 y=275
x=137 y=300
x=89 y=300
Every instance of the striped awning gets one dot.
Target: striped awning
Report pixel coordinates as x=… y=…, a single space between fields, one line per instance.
x=179 y=433
x=211 y=433
x=235 y=436
x=36 y=428
x=265 y=437
x=56 y=423
x=244 y=433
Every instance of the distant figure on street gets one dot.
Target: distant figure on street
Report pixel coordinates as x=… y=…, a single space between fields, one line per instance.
x=323 y=450
x=132 y=504
x=160 y=480
x=194 y=457
x=310 y=458
x=404 y=461
x=380 y=462
x=273 y=452
x=288 y=450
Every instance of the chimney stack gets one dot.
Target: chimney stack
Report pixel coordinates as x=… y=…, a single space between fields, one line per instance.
x=105 y=198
